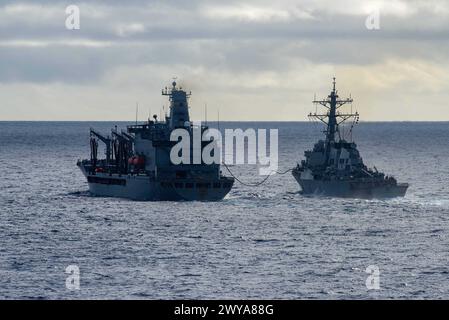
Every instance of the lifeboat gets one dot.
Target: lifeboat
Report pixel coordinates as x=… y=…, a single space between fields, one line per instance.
x=138 y=161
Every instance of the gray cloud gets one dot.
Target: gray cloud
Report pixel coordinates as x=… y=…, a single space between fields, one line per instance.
x=244 y=52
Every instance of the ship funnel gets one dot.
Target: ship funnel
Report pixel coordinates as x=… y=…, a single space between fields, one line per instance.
x=179 y=107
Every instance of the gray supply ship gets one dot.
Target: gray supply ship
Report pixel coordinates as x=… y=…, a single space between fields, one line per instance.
x=138 y=165
x=334 y=166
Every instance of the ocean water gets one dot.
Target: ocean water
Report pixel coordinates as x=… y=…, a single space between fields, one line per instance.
x=260 y=242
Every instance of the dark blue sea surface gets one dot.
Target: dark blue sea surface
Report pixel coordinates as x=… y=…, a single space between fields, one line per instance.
x=260 y=242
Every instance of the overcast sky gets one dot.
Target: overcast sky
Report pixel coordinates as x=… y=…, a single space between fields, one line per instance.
x=252 y=60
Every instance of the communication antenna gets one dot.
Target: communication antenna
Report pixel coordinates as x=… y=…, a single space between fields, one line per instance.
x=205 y=113
x=350 y=97
x=137 y=111
x=218 y=117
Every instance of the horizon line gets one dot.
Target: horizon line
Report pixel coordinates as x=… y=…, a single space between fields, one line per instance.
x=215 y=121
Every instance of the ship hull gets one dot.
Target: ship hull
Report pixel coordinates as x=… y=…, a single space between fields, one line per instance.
x=351 y=189
x=145 y=188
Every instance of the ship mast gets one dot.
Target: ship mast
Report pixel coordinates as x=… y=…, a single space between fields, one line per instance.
x=332 y=119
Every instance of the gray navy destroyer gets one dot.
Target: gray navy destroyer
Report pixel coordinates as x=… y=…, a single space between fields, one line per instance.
x=335 y=168
x=138 y=165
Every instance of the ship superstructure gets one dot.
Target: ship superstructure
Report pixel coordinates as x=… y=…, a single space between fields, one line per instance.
x=137 y=162
x=334 y=166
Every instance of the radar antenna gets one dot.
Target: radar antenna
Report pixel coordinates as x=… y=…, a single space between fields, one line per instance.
x=332 y=118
